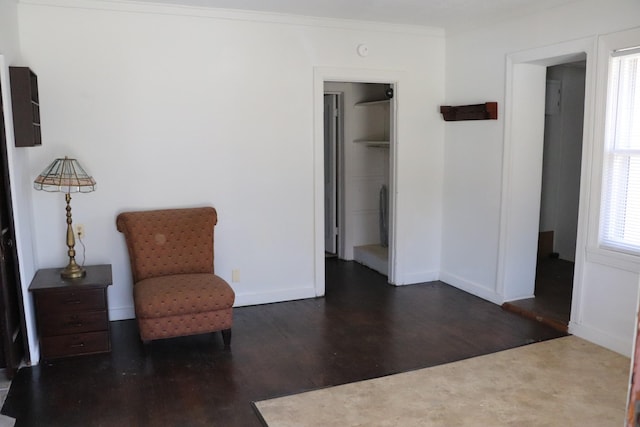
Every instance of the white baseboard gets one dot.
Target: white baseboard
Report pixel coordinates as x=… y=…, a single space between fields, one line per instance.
x=35 y=355
x=471 y=287
x=601 y=338
x=520 y=298
x=280 y=295
x=418 y=277
x=124 y=313
x=121 y=313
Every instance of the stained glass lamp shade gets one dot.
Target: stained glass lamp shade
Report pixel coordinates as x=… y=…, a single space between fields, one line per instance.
x=67 y=176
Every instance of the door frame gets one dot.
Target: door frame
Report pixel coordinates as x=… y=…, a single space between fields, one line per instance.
x=522 y=160
x=22 y=221
x=10 y=271
x=337 y=161
x=350 y=75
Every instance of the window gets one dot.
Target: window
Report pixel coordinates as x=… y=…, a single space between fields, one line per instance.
x=620 y=214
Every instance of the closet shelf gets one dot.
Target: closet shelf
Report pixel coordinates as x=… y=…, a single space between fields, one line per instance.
x=372 y=143
x=370 y=103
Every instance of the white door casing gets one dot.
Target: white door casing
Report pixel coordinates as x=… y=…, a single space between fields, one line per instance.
x=330 y=172
x=522 y=166
x=322 y=75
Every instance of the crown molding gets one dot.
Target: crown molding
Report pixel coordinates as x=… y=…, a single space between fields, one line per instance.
x=132 y=6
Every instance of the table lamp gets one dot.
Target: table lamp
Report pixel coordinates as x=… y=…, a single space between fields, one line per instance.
x=67 y=176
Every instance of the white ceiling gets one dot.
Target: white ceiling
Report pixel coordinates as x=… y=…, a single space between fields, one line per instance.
x=453 y=15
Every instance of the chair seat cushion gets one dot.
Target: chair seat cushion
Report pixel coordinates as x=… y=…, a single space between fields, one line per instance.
x=181 y=294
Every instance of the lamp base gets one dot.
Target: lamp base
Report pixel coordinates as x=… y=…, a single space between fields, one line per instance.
x=73 y=271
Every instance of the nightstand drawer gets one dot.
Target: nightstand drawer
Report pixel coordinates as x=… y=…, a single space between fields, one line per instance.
x=75 y=344
x=74 y=323
x=71 y=300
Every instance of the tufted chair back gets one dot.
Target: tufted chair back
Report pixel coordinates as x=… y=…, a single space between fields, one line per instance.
x=169 y=241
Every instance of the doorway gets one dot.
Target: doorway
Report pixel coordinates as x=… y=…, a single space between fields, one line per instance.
x=13 y=345
x=323 y=76
x=358 y=118
x=522 y=169
x=560 y=194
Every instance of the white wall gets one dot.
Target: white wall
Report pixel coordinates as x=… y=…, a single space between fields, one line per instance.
x=9 y=45
x=18 y=160
x=173 y=106
x=476 y=72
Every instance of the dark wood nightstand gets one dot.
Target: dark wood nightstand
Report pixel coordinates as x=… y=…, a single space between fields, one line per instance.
x=72 y=315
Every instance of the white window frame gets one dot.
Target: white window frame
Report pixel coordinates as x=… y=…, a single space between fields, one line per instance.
x=594 y=251
x=620 y=209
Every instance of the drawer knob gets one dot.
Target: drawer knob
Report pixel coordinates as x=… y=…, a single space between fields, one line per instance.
x=73 y=301
x=80 y=344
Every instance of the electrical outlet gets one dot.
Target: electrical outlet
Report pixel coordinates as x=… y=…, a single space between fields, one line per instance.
x=80 y=231
x=235 y=275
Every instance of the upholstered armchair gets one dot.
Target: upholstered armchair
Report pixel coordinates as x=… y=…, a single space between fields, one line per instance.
x=175 y=290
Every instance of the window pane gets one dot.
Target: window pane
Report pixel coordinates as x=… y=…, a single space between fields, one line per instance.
x=620 y=213
x=627 y=125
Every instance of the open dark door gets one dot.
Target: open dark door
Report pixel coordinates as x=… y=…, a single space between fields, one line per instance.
x=12 y=327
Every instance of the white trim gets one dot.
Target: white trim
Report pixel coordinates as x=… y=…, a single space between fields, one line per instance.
x=586 y=179
x=418 y=277
x=506 y=174
x=255 y=298
x=121 y=313
x=520 y=298
x=237 y=15
x=604 y=339
x=340 y=188
x=606 y=45
x=473 y=288
x=392 y=274
x=626 y=51
x=242 y=299
x=520 y=198
x=352 y=75
x=614 y=259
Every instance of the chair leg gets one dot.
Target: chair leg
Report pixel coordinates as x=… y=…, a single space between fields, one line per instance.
x=226 y=337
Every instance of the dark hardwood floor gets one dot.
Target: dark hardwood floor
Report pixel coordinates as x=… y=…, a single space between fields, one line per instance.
x=553 y=292
x=362 y=329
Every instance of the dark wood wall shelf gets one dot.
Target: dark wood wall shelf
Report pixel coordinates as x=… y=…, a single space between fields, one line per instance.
x=26 y=107
x=486 y=111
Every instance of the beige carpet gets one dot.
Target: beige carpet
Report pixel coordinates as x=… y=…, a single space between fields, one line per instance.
x=562 y=382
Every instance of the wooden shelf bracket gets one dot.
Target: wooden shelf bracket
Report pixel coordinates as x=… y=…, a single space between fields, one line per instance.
x=486 y=111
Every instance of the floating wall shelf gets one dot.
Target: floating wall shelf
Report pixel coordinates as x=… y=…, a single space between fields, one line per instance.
x=26 y=107
x=486 y=111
